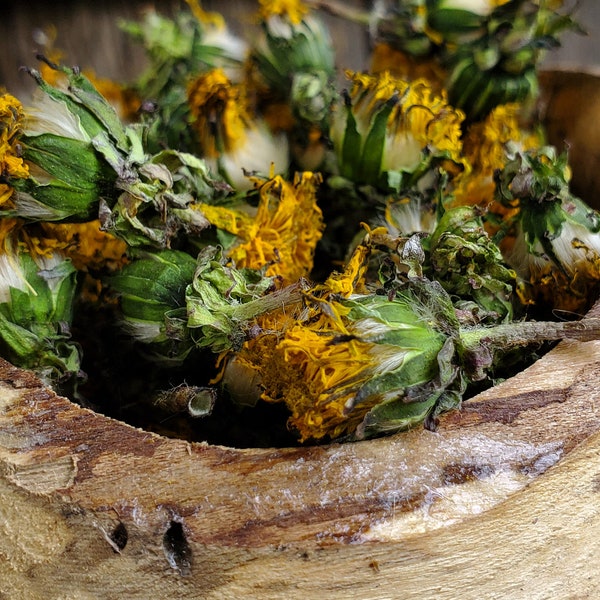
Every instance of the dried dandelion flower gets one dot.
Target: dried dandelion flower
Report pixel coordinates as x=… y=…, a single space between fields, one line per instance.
x=391 y=134
x=38 y=286
x=232 y=141
x=12 y=165
x=281 y=234
x=553 y=238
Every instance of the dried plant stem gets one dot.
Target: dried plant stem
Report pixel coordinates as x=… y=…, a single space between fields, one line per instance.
x=481 y=346
x=339 y=9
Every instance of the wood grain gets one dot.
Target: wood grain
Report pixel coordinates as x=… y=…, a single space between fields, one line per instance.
x=492 y=503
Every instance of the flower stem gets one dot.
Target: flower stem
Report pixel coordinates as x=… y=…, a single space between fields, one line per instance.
x=339 y=9
x=482 y=345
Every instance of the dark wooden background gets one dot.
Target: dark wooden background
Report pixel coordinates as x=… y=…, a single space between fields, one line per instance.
x=88 y=33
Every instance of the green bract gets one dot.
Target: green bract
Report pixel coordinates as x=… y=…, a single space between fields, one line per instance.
x=470 y=266
x=152 y=292
x=106 y=173
x=418 y=324
x=489 y=50
x=222 y=301
x=453 y=20
x=73 y=178
x=537 y=183
x=36 y=305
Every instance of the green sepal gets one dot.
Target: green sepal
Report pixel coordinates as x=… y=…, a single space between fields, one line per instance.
x=87 y=94
x=49 y=293
x=374 y=144
x=72 y=161
x=88 y=122
x=55 y=201
x=351 y=144
x=20 y=345
x=417 y=321
x=156 y=203
x=361 y=155
x=152 y=291
x=453 y=21
x=51 y=354
x=78 y=177
x=307 y=49
x=419 y=403
x=154 y=282
x=35 y=322
x=223 y=300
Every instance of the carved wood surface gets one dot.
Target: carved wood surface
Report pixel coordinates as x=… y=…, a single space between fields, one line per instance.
x=500 y=502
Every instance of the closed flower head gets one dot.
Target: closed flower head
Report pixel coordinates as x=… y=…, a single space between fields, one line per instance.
x=391 y=133
x=232 y=141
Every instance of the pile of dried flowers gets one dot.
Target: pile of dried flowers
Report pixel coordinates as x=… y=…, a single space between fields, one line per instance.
x=234 y=231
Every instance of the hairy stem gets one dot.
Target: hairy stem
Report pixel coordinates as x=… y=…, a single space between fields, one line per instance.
x=481 y=346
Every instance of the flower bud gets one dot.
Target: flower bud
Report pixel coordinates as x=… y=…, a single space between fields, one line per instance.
x=152 y=292
x=36 y=303
x=391 y=134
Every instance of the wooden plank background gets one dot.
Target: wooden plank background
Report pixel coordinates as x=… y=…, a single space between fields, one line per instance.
x=88 y=33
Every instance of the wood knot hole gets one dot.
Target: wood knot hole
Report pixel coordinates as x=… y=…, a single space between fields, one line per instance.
x=177 y=549
x=119 y=537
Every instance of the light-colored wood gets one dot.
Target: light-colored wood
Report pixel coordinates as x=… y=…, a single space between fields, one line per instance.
x=500 y=502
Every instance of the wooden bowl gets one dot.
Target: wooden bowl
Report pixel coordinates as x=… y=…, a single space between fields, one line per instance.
x=500 y=502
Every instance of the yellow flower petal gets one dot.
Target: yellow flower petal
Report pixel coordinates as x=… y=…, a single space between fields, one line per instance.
x=283 y=234
x=219 y=111
x=487 y=146
x=86 y=245
x=11 y=164
x=294 y=10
